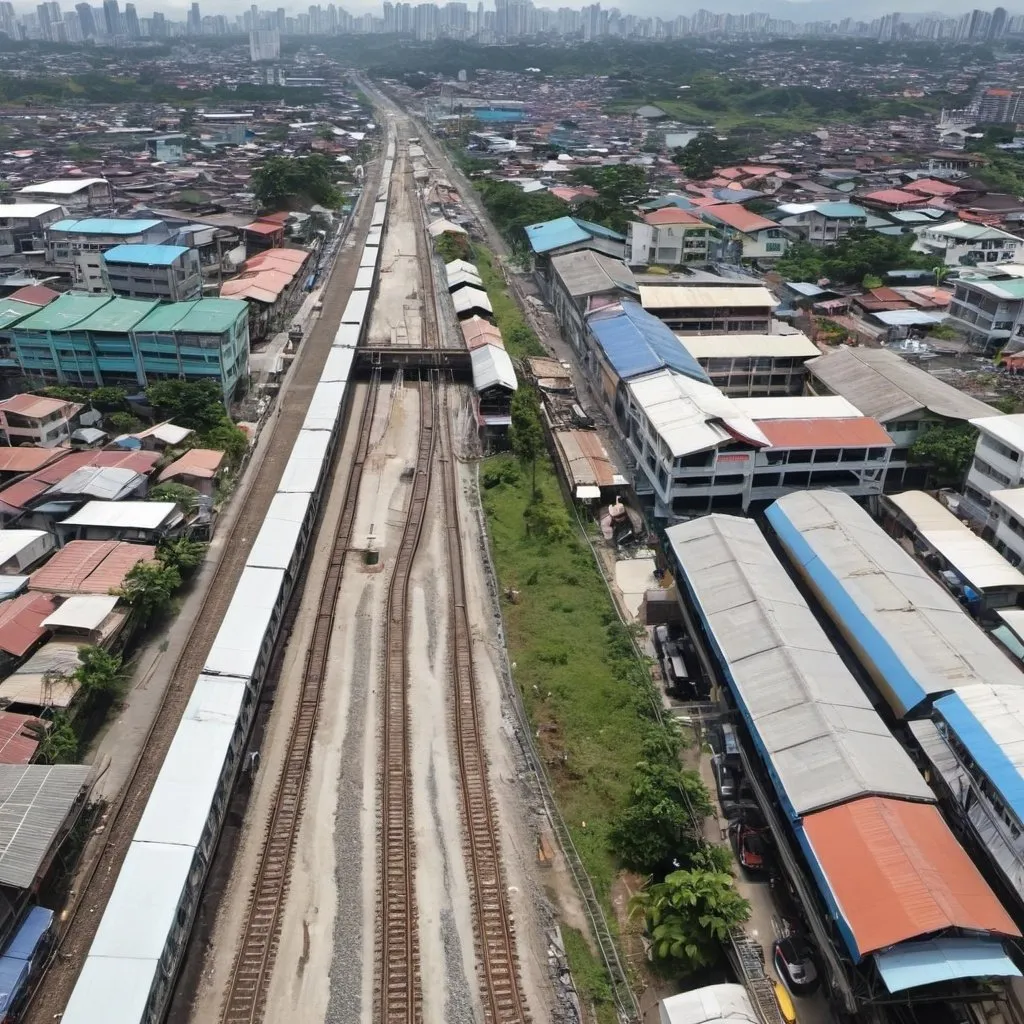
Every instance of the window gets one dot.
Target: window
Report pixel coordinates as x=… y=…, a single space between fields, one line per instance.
x=772 y=246
x=997 y=446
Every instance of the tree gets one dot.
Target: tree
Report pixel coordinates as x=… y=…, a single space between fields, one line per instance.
x=619 y=188
x=690 y=914
x=108 y=399
x=526 y=435
x=229 y=439
x=182 y=554
x=124 y=422
x=657 y=828
x=857 y=255
x=99 y=674
x=511 y=209
x=700 y=157
x=196 y=404
x=283 y=180
x=947 y=451
x=59 y=744
x=183 y=495
x=149 y=589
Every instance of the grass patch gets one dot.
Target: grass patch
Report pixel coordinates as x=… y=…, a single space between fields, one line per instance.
x=589 y=975
x=520 y=340
x=589 y=715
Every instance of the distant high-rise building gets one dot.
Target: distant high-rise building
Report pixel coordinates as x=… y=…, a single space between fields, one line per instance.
x=131 y=22
x=997 y=26
x=86 y=21
x=49 y=18
x=158 y=25
x=112 y=17
x=195 y=21
x=264 y=44
x=998 y=106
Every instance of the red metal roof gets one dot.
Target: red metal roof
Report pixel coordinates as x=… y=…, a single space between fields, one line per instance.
x=198 y=462
x=893 y=197
x=21 y=622
x=931 y=187
x=739 y=218
x=860 y=432
x=671 y=215
x=17 y=743
x=36 y=406
x=263 y=229
x=476 y=331
x=89 y=567
x=28 y=459
x=897 y=873
x=35 y=295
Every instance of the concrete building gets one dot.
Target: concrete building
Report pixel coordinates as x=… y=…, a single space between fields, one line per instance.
x=167 y=273
x=998 y=106
x=581 y=282
x=699 y=309
x=822 y=223
x=667 y=237
x=77 y=195
x=998 y=463
x=962 y=244
x=34 y=419
x=78 y=245
x=754 y=365
x=987 y=306
x=744 y=235
x=93 y=341
x=22 y=225
x=905 y=399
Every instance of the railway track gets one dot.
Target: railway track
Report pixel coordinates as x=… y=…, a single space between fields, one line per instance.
x=398 y=992
x=501 y=992
x=250 y=975
x=82 y=917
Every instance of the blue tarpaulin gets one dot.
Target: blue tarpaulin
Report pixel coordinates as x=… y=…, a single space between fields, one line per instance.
x=634 y=342
x=914 y=964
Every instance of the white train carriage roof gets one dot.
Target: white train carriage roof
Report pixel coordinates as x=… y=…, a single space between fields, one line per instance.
x=374 y=235
x=325 y=405
x=306 y=462
x=369 y=257
x=380 y=212
x=347 y=336
x=279 y=535
x=355 y=309
x=93 y=998
x=364 y=277
x=338 y=365
x=236 y=649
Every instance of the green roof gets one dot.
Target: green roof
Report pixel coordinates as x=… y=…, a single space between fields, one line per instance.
x=212 y=316
x=11 y=311
x=118 y=316
x=64 y=312
x=165 y=317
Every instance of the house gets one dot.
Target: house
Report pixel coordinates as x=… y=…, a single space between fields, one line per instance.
x=581 y=282
x=166 y=273
x=570 y=234
x=743 y=235
x=34 y=419
x=260 y=235
x=22 y=550
x=139 y=522
x=905 y=399
x=76 y=195
x=22 y=225
x=998 y=463
x=822 y=223
x=893 y=199
x=668 y=237
x=267 y=281
x=753 y=365
x=961 y=244
x=89 y=567
x=77 y=245
x=197 y=468
x=711 y=309
x=988 y=305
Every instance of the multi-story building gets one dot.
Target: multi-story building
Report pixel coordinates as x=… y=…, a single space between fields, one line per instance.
x=822 y=223
x=987 y=306
x=998 y=463
x=998 y=106
x=78 y=245
x=711 y=309
x=167 y=273
x=94 y=341
x=76 y=195
x=744 y=235
x=581 y=282
x=36 y=420
x=22 y=225
x=754 y=365
x=905 y=399
x=961 y=244
x=668 y=237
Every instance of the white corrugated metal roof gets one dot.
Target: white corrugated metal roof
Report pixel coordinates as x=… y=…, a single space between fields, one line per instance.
x=739 y=346
x=688 y=415
x=275 y=543
x=355 y=308
x=826 y=742
x=325 y=404
x=713 y=1004
x=659 y=296
x=14 y=542
x=61 y=186
x=469 y=298
x=82 y=611
x=236 y=648
x=137 y=515
x=906 y=619
x=141 y=910
x=179 y=805
x=975 y=560
x=492 y=365
x=338 y=364
x=130 y=977
x=798 y=407
x=306 y=462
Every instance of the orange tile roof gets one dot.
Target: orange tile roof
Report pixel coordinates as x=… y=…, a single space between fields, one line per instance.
x=894 y=197
x=735 y=216
x=856 y=432
x=897 y=873
x=199 y=462
x=671 y=215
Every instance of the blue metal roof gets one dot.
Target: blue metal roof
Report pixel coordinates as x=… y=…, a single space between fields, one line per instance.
x=147 y=255
x=598 y=230
x=105 y=226
x=553 y=234
x=736 y=195
x=841 y=210
x=984 y=751
x=634 y=342
x=662 y=201
x=925 y=963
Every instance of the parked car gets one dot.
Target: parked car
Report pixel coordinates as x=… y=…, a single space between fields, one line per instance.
x=750 y=846
x=795 y=966
x=726 y=781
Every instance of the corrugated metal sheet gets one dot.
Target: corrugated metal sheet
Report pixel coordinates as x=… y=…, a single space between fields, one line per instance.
x=355 y=309
x=929 y=963
x=744 y=346
x=275 y=544
x=907 y=629
x=492 y=366
x=35 y=801
x=861 y=432
x=895 y=873
x=706 y=297
x=728 y=1004
x=306 y=462
x=636 y=343
x=197 y=462
x=586 y=459
x=823 y=741
x=83 y=611
x=90 y=566
x=21 y=622
x=18 y=744
x=177 y=809
x=127 y=515
x=587 y=273
x=976 y=561
x=21 y=548
x=45 y=680
x=236 y=649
